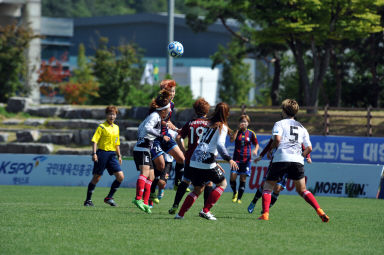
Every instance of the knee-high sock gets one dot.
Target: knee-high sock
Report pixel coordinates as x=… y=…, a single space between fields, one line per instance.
x=308 y=196
x=180 y=193
x=154 y=185
x=258 y=195
x=212 y=199
x=207 y=192
x=233 y=186
x=266 y=200
x=241 y=190
x=140 y=186
x=91 y=188
x=179 y=172
x=115 y=185
x=147 y=190
x=188 y=202
x=273 y=198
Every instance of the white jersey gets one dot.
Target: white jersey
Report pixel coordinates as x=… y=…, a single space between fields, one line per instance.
x=212 y=142
x=293 y=135
x=148 y=131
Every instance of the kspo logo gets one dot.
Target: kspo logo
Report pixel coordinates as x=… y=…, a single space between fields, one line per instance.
x=9 y=167
x=257 y=178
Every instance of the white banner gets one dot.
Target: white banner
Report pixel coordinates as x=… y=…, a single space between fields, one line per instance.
x=327 y=179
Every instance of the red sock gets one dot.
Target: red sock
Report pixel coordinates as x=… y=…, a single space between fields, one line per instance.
x=140 y=186
x=212 y=199
x=147 y=191
x=308 y=196
x=266 y=200
x=188 y=202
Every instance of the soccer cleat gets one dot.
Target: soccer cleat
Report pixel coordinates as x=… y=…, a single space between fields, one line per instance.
x=110 y=201
x=175 y=187
x=207 y=215
x=173 y=210
x=239 y=201
x=88 y=203
x=178 y=217
x=264 y=216
x=147 y=209
x=234 y=198
x=322 y=215
x=139 y=204
x=251 y=207
x=188 y=190
x=161 y=194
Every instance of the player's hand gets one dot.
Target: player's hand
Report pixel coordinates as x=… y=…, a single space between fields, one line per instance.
x=269 y=155
x=309 y=160
x=221 y=169
x=94 y=158
x=234 y=165
x=120 y=160
x=166 y=138
x=257 y=159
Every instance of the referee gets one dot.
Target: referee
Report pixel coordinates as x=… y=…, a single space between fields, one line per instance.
x=106 y=155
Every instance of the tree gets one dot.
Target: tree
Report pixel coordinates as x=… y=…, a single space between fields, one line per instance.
x=14 y=41
x=116 y=70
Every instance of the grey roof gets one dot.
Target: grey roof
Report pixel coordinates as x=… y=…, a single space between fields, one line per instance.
x=56 y=26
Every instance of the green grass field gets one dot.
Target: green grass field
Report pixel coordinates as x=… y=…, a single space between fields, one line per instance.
x=52 y=220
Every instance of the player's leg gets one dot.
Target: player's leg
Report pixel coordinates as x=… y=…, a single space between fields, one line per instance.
x=91 y=188
x=257 y=196
x=310 y=198
x=162 y=180
x=113 y=167
x=207 y=191
x=178 y=155
x=243 y=179
x=143 y=165
x=233 y=184
x=147 y=190
x=181 y=189
x=266 y=198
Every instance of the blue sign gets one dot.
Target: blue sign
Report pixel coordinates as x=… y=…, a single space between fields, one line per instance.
x=336 y=149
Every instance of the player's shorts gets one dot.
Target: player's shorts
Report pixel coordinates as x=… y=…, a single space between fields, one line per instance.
x=106 y=160
x=294 y=171
x=142 y=158
x=203 y=176
x=160 y=147
x=244 y=169
x=188 y=173
x=163 y=175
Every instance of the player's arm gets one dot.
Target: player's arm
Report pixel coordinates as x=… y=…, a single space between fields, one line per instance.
x=118 y=154
x=94 y=149
x=266 y=149
x=170 y=125
x=306 y=151
x=95 y=140
x=223 y=150
x=233 y=137
x=180 y=143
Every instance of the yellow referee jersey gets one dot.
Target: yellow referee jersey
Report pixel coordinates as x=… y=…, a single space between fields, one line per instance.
x=107 y=136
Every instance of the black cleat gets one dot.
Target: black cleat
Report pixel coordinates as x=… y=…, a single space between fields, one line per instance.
x=88 y=203
x=110 y=201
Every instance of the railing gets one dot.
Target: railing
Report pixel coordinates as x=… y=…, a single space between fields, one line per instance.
x=327 y=121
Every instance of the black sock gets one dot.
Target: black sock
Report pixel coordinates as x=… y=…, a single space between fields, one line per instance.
x=91 y=188
x=273 y=198
x=258 y=195
x=180 y=193
x=154 y=185
x=179 y=171
x=233 y=186
x=115 y=185
x=241 y=190
x=207 y=192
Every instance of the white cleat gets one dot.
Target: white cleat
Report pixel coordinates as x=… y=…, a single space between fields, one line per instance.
x=208 y=215
x=178 y=217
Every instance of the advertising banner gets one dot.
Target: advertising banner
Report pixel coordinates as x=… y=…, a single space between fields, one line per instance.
x=328 y=179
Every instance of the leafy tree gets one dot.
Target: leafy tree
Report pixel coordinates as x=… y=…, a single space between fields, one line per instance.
x=117 y=70
x=14 y=41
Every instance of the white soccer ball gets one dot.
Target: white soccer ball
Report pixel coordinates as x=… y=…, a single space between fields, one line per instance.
x=175 y=49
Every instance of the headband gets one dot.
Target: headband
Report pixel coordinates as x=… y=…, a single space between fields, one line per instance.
x=164 y=107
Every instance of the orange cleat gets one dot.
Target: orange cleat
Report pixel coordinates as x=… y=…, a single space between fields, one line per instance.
x=264 y=216
x=322 y=215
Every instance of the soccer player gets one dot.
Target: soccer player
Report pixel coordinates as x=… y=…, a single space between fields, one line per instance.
x=203 y=163
x=244 y=139
x=105 y=149
x=161 y=146
x=193 y=129
x=288 y=137
x=280 y=185
x=149 y=130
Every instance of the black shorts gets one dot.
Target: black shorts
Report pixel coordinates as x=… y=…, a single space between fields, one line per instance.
x=106 y=160
x=188 y=173
x=294 y=171
x=142 y=158
x=202 y=176
x=163 y=175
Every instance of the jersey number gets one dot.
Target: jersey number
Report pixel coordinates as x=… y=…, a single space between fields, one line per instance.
x=294 y=133
x=199 y=133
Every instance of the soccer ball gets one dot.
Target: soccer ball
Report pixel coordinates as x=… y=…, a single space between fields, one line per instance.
x=175 y=49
